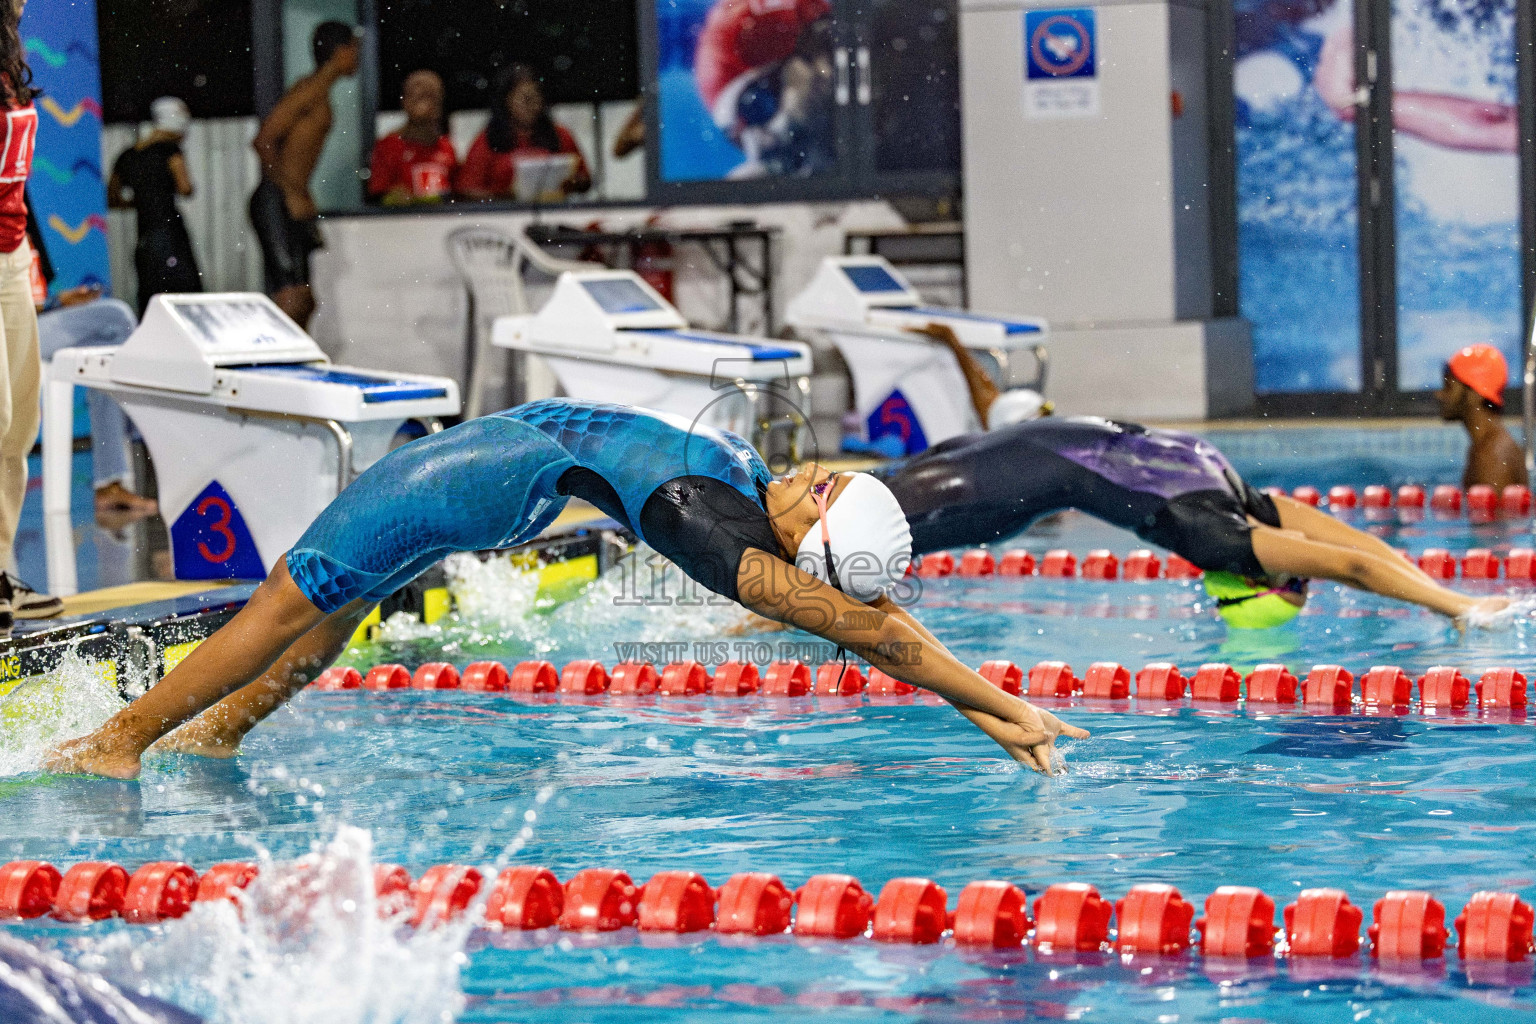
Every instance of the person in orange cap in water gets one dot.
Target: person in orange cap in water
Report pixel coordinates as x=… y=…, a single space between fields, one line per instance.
x=1473 y=392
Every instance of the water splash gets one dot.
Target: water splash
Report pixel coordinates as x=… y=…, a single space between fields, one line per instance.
x=662 y=606
x=46 y=710
x=306 y=945
x=1517 y=611
x=499 y=612
x=496 y=592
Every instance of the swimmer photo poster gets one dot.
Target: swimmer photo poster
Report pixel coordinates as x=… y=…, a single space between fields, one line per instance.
x=1298 y=237
x=1060 y=63
x=1456 y=189
x=1457 y=181
x=743 y=89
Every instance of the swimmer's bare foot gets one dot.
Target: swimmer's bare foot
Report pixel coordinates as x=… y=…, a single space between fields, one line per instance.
x=200 y=738
x=116 y=506
x=91 y=755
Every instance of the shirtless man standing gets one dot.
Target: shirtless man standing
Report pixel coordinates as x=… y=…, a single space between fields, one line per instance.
x=282 y=210
x=1473 y=393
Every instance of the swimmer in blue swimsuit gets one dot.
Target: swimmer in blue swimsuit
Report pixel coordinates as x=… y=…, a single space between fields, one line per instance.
x=1169 y=488
x=815 y=550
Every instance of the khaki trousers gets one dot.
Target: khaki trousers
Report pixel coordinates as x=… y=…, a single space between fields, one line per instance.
x=20 y=390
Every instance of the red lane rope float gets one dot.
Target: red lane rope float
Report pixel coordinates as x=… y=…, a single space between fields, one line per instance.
x=1381 y=688
x=27 y=889
x=1518 y=565
x=1155 y=918
x=91 y=891
x=159 y=891
x=1482 y=503
x=525 y=898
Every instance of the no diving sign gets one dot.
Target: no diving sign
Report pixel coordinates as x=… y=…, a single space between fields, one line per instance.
x=1060 y=63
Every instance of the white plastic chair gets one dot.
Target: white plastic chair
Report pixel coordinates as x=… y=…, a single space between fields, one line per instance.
x=491 y=262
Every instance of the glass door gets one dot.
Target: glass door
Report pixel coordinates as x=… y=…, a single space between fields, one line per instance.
x=906 y=87
x=1456 y=173
x=1379 y=176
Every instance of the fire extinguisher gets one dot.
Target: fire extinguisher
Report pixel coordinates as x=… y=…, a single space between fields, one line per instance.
x=655 y=263
x=593 y=253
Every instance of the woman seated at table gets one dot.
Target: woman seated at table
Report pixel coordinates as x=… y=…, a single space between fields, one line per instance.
x=520 y=127
x=416 y=164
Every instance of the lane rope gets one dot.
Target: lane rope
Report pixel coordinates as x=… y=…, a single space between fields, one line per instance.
x=1518 y=564
x=1071 y=917
x=1498 y=693
x=1480 y=503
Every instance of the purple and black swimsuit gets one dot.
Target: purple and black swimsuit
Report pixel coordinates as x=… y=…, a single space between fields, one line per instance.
x=1169 y=488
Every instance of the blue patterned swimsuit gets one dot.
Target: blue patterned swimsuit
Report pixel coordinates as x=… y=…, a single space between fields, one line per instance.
x=693 y=493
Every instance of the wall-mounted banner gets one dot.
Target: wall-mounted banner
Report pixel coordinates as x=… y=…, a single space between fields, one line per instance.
x=66 y=187
x=1060 y=63
x=745 y=88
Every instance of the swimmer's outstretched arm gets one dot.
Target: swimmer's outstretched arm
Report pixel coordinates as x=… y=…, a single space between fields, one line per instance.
x=240 y=654
x=1003 y=733
x=1313 y=543
x=892 y=641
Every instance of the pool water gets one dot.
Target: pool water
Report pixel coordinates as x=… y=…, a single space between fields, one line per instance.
x=1194 y=797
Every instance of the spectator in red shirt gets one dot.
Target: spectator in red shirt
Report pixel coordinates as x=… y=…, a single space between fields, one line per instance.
x=416 y=164
x=520 y=126
x=20 y=365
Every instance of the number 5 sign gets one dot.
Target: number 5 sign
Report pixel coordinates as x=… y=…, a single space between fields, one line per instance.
x=210 y=541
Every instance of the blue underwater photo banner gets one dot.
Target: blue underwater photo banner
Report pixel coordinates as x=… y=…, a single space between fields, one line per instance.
x=1296 y=211
x=67 y=190
x=1456 y=175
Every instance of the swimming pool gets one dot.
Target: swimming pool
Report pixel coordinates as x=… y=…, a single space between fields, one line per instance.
x=1193 y=796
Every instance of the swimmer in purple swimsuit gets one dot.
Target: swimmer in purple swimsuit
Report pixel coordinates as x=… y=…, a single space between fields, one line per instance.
x=1169 y=488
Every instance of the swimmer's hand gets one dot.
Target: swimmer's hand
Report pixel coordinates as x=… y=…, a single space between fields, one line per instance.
x=1029 y=738
x=1491 y=613
x=93 y=754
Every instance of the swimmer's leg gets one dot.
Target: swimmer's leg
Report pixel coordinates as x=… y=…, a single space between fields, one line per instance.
x=1292 y=553
x=482 y=484
x=241 y=652
x=218 y=731
x=1319 y=525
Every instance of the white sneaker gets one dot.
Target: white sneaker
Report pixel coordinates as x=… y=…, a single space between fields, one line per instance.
x=26 y=603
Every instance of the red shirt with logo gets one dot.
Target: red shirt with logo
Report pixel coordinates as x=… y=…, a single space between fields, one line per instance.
x=423 y=171
x=486 y=170
x=15 y=166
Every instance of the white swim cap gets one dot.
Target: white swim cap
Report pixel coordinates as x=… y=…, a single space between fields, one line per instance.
x=1015 y=406
x=871 y=544
x=169 y=114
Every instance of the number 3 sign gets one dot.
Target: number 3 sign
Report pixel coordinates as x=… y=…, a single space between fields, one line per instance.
x=210 y=541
